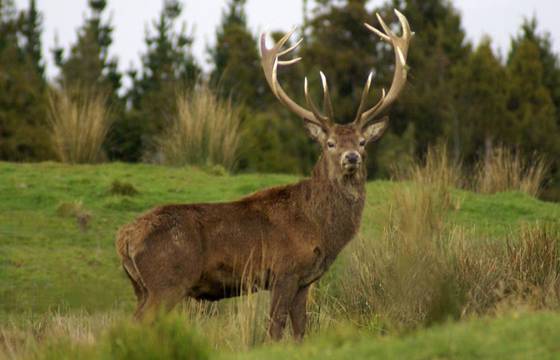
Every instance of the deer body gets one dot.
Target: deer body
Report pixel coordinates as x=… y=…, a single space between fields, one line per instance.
x=281 y=239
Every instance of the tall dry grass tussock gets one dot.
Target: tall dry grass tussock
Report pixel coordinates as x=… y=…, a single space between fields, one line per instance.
x=422 y=269
x=437 y=169
x=505 y=169
x=205 y=131
x=79 y=122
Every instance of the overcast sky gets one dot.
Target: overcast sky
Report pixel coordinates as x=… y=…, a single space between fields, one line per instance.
x=498 y=18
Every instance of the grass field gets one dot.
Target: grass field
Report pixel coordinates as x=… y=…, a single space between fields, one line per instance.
x=58 y=263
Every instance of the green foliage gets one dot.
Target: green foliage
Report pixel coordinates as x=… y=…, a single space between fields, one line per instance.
x=439 y=44
x=549 y=60
x=88 y=64
x=394 y=152
x=31 y=28
x=168 y=68
x=167 y=338
x=534 y=127
x=338 y=44
x=462 y=95
x=275 y=144
x=480 y=85
x=236 y=59
x=23 y=133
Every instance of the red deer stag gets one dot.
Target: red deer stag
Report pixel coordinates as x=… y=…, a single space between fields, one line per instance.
x=282 y=239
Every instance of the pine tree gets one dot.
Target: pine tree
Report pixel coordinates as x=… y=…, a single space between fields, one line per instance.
x=89 y=67
x=480 y=87
x=31 y=30
x=88 y=64
x=236 y=59
x=549 y=59
x=338 y=44
x=168 y=67
x=428 y=101
x=23 y=131
x=534 y=127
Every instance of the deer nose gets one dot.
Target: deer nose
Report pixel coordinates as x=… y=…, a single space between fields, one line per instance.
x=353 y=157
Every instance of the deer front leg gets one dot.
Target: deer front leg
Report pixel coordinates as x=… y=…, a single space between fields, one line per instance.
x=283 y=294
x=298 y=312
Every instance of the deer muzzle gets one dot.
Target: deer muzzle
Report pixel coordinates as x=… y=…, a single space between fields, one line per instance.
x=351 y=161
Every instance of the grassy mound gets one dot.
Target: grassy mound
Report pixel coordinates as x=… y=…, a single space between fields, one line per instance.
x=525 y=336
x=424 y=255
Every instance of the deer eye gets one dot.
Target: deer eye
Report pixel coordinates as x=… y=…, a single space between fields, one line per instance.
x=331 y=144
x=362 y=143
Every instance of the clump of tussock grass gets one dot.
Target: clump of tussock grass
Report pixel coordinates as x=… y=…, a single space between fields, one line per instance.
x=70 y=209
x=79 y=122
x=437 y=169
x=501 y=169
x=236 y=324
x=204 y=132
x=75 y=210
x=169 y=337
x=504 y=169
x=122 y=188
x=402 y=278
x=106 y=336
x=523 y=270
x=422 y=271
x=31 y=336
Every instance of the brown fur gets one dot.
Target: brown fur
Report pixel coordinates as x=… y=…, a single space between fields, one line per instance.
x=280 y=239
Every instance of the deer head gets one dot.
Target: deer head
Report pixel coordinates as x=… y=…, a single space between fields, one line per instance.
x=343 y=145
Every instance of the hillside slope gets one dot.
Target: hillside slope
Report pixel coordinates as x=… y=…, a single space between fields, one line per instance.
x=48 y=262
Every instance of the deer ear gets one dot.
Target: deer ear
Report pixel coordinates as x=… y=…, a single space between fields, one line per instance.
x=317 y=132
x=374 y=131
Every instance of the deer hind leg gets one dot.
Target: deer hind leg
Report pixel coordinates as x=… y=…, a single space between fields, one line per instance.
x=167 y=279
x=160 y=302
x=140 y=292
x=283 y=294
x=139 y=289
x=298 y=312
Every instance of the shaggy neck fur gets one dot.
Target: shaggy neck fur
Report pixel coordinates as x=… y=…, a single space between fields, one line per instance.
x=336 y=202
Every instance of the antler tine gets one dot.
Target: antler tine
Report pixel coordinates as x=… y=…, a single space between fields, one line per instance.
x=311 y=104
x=407 y=32
x=400 y=46
x=327 y=103
x=285 y=39
x=386 y=28
x=270 y=61
x=291 y=48
x=365 y=93
x=379 y=33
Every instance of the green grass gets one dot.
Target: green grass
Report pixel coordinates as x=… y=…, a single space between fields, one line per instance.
x=47 y=263
x=50 y=268
x=516 y=335
x=525 y=336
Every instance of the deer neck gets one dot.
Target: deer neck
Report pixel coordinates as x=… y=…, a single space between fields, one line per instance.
x=336 y=204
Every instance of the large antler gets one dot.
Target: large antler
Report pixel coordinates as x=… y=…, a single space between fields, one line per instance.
x=400 y=45
x=270 y=60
